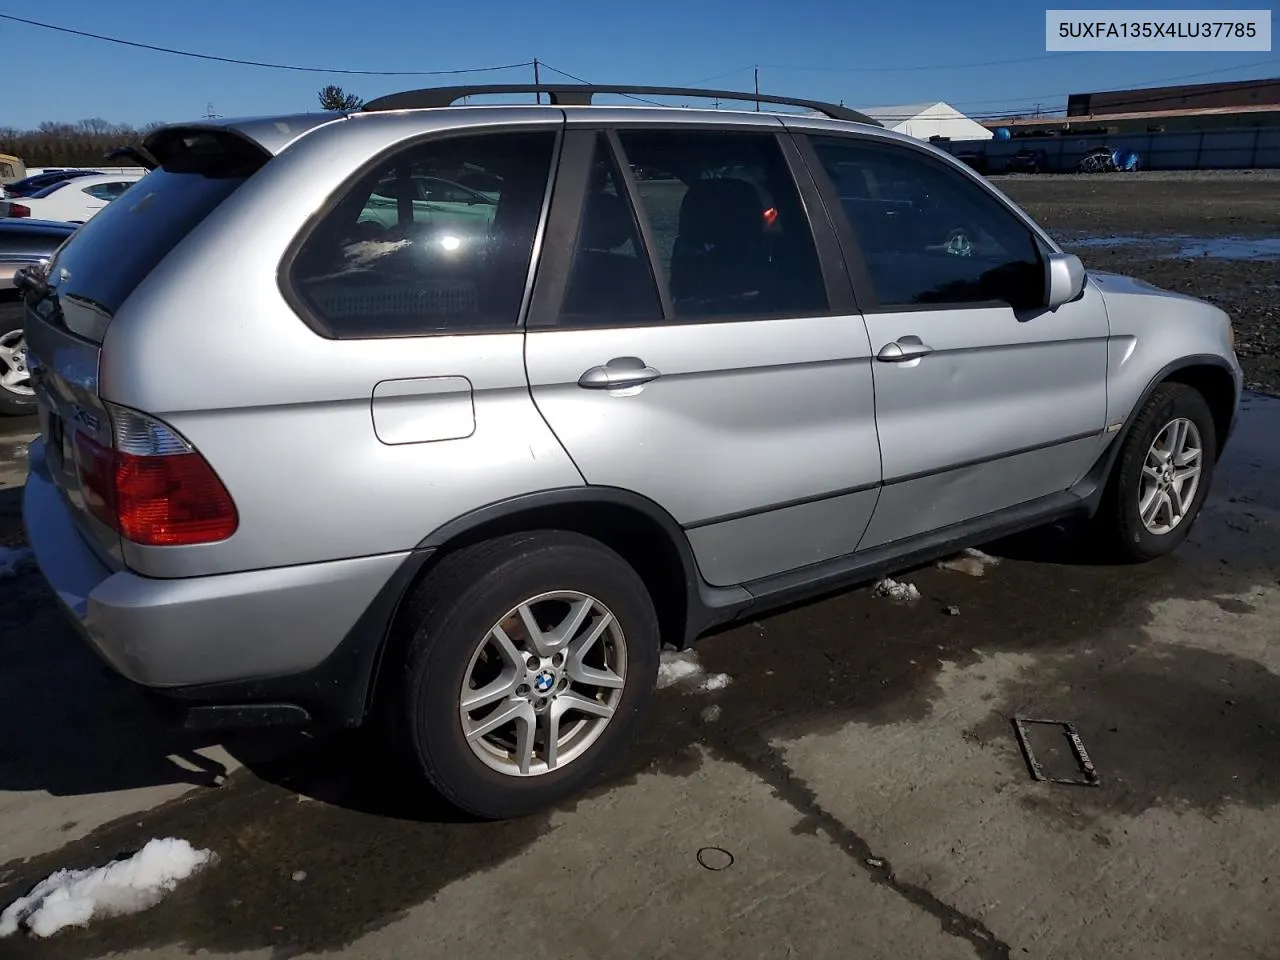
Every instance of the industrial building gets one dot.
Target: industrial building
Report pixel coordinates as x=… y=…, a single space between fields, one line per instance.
x=1184 y=98
x=1239 y=105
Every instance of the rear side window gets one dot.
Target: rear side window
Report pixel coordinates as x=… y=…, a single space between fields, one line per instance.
x=436 y=239
x=107 y=258
x=106 y=191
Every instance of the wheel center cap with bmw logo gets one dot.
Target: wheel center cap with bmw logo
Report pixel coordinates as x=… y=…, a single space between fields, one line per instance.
x=544 y=681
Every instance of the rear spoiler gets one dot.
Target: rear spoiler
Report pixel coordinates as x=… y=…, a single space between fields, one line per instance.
x=210 y=150
x=130 y=153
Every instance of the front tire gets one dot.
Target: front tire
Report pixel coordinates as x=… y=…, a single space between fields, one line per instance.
x=529 y=662
x=1161 y=477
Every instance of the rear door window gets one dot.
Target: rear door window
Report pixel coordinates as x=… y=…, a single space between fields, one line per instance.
x=610 y=279
x=437 y=239
x=730 y=232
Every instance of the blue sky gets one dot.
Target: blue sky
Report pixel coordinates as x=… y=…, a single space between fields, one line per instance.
x=814 y=48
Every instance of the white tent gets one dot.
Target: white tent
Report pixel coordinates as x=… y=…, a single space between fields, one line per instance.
x=925 y=120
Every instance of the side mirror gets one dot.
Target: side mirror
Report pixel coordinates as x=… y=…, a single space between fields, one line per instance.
x=1065 y=280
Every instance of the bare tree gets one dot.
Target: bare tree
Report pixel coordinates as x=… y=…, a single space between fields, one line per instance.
x=96 y=127
x=82 y=144
x=334 y=97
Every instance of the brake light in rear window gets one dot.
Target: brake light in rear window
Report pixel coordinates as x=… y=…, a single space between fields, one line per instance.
x=152 y=487
x=18 y=210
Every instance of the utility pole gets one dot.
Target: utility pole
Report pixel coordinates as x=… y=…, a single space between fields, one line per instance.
x=536 y=82
x=757 y=74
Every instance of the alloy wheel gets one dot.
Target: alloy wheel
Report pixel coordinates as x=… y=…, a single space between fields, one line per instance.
x=1170 y=476
x=14 y=375
x=543 y=684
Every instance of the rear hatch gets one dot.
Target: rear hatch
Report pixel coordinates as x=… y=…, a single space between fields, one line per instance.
x=89 y=279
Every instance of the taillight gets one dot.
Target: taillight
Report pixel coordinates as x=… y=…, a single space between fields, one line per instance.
x=18 y=210
x=152 y=487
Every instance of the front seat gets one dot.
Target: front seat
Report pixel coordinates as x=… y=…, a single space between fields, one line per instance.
x=720 y=261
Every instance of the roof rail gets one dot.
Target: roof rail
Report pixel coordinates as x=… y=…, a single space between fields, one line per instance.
x=580 y=94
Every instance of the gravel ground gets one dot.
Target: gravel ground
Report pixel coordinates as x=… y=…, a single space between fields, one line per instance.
x=1149 y=221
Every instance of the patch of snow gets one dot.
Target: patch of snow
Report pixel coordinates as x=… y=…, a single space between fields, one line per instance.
x=675 y=668
x=72 y=898
x=895 y=590
x=15 y=561
x=972 y=562
x=711 y=714
x=683 y=669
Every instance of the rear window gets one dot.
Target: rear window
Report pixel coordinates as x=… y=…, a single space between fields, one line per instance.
x=105 y=260
x=51 y=188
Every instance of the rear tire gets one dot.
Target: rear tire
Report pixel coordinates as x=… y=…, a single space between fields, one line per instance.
x=13 y=403
x=451 y=654
x=1144 y=477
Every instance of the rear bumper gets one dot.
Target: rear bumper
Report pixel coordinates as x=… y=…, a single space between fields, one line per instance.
x=232 y=635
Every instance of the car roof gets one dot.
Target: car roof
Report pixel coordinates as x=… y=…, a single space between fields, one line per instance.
x=123 y=175
x=10 y=226
x=273 y=133
x=26 y=241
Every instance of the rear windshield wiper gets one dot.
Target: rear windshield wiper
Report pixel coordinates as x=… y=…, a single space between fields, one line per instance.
x=31 y=280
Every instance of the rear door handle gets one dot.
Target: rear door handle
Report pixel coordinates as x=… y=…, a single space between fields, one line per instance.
x=903 y=349
x=618 y=373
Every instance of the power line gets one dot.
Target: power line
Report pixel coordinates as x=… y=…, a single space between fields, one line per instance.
x=1011 y=103
x=718 y=76
x=258 y=63
x=1141 y=94
x=653 y=103
x=922 y=66
x=1141 y=84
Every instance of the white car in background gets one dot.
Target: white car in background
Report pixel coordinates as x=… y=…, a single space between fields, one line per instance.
x=74 y=201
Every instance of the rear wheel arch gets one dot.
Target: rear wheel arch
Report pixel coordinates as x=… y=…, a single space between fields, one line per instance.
x=641 y=532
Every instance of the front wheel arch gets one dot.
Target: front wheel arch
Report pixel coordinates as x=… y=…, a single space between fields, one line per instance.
x=1211 y=375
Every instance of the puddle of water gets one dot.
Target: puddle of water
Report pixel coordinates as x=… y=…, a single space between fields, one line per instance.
x=1184 y=247
x=1233 y=248
x=1104 y=242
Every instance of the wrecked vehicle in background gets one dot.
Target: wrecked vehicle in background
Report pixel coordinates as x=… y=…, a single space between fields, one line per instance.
x=1109 y=160
x=1028 y=160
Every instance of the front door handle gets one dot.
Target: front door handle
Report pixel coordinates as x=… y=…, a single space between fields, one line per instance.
x=903 y=349
x=618 y=373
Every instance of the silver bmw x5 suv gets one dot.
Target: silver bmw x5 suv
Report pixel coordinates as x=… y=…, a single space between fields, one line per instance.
x=450 y=416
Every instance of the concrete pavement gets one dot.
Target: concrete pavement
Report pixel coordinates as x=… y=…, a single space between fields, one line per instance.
x=860 y=771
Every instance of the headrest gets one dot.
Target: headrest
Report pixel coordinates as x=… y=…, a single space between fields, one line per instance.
x=721 y=209
x=606 y=222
